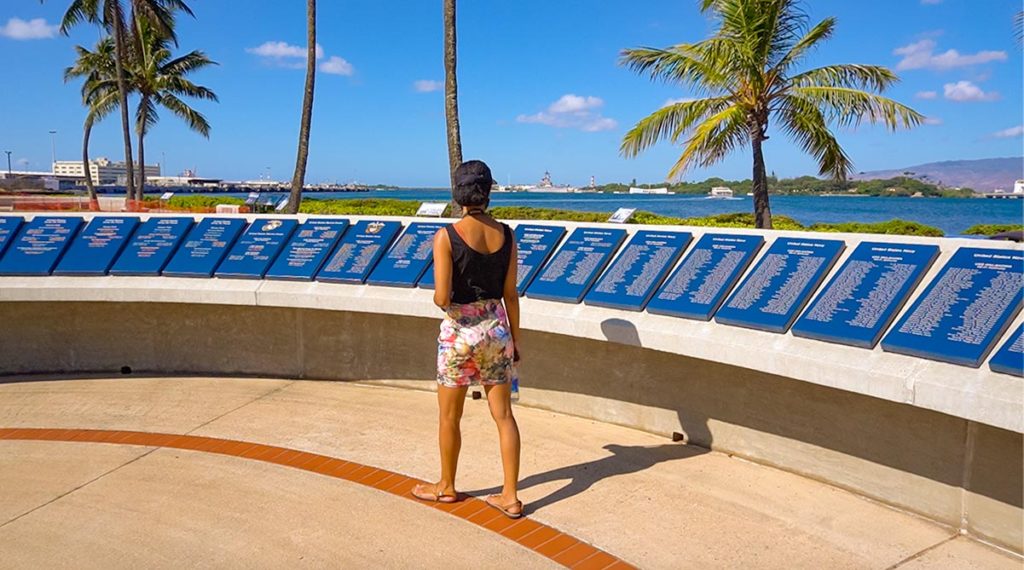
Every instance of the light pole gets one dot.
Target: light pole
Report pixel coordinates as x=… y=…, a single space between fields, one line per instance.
x=53 y=151
x=8 y=161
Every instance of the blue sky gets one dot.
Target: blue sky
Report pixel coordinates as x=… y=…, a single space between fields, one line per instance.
x=540 y=87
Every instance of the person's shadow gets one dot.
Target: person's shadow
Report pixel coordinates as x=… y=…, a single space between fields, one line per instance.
x=581 y=476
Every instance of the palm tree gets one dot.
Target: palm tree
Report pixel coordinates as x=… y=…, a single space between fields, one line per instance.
x=99 y=94
x=110 y=15
x=160 y=82
x=298 y=179
x=451 y=97
x=746 y=72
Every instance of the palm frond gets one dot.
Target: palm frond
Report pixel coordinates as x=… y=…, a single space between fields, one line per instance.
x=192 y=61
x=79 y=11
x=820 y=32
x=684 y=64
x=145 y=115
x=845 y=107
x=714 y=138
x=194 y=119
x=669 y=122
x=806 y=125
x=853 y=76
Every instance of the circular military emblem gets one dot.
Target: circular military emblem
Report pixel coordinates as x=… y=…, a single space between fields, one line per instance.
x=271 y=225
x=375 y=227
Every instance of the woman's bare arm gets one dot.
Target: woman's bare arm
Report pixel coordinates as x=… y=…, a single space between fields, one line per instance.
x=442 y=269
x=511 y=297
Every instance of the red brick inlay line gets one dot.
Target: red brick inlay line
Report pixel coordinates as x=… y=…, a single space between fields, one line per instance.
x=542 y=539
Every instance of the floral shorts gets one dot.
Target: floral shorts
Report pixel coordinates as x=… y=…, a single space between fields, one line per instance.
x=475 y=345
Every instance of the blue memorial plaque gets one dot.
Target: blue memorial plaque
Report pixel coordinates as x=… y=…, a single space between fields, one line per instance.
x=152 y=246
x=699 y=285
x=576 y=265
x=9 y=226
x=307 y=250
x=358 y=252
x=204 y=247
x=406 y=261
x=964 y=310
x=39 y=245
x=638 y=270
x=256 y=250
x=863 y=297
x=534 y=245
x=780 y=284
x=96 y=248
x=427 y=280
x=1010 y=358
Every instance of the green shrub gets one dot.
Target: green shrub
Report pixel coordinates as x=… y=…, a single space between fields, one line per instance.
x=741 y=220
x=365 y=207
x=893 y=227
x=187 y=202
x=528 y=213
x=992 y=229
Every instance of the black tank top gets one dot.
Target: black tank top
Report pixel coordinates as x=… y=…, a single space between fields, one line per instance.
x=476 y=275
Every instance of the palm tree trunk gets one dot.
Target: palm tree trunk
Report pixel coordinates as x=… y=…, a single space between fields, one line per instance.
x=307 y=110
x=451 y=98
x=93 y=200
x=122 y=92
x=762 y=212
x=141 y=128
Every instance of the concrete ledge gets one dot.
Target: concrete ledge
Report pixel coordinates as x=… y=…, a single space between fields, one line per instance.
x=974 y=394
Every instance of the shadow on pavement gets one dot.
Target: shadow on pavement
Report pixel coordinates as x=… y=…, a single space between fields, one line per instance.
x=624 y=459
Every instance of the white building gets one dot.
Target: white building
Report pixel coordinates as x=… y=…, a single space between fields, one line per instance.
x=103 y=170
x=1018 y=187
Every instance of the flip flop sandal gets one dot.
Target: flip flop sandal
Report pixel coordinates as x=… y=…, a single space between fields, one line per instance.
x=432 y=497
x=505 y=509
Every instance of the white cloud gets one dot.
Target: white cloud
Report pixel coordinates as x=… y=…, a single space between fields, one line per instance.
x=926 y=95
x=575 y=104
x=1010 y=132
x=572 y=112
x=281 y=50
x=932 y=121
x=669 y=102
x=921 y=55
x=962 y=91
x=337 y=65
x=427 y=85
x=34 y=29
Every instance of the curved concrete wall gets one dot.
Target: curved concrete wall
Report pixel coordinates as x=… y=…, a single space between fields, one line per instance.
x=938 y=439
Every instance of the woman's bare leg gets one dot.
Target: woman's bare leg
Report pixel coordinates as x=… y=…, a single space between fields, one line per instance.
x=499 y=400
x=451 y=402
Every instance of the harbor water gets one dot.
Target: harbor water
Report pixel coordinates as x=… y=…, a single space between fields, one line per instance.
x=952 y=215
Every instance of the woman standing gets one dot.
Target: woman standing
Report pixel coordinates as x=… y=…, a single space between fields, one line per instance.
x=474 y=273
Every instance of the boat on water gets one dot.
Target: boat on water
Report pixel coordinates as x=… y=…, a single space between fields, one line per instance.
x=633 y=190
x=720 y=192
x=545 y=185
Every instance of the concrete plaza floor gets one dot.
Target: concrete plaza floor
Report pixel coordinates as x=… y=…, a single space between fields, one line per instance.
x=646 y=500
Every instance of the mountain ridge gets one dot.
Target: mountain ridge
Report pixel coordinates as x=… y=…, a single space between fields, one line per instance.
x=982 y=175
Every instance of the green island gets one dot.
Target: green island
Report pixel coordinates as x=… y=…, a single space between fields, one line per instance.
x=392 y=207
x=901 y=186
